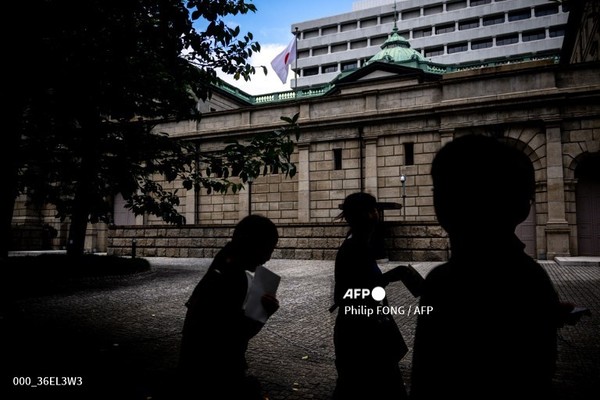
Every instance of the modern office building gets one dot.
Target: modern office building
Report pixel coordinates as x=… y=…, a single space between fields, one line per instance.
x=457 y=32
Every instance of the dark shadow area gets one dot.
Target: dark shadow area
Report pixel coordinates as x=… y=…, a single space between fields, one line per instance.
x=64 y=331
x=50 y=273
x=122 y=335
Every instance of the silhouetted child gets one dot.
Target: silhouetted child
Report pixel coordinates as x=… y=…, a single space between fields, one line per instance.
x=368 y=347
x=216 y=330
x=492 y=330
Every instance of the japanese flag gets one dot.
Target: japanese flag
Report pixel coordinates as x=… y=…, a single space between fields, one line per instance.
x=282 y=60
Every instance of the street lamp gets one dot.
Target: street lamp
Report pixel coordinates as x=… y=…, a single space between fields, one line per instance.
x=403 y=180
x=250 y=180
x=133 y=247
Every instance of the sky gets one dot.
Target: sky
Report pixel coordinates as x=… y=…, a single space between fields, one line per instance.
x=271 y=26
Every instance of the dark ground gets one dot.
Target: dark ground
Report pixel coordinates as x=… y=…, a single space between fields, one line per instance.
x=118 y=337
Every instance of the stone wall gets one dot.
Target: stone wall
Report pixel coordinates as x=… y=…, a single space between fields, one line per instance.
x=403 y=241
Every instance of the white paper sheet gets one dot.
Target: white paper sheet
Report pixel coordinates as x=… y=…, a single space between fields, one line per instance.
x=264 y=281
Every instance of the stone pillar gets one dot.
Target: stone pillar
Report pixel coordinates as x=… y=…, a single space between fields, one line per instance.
x=304 y=111
x=100 y=245
x=371 y=166
x=244 y=201
x=557 y=227
x=25 y=212
x=190 y=206
x=245 y=116
x=303 y=182
x=446 y=135
x=371 y=102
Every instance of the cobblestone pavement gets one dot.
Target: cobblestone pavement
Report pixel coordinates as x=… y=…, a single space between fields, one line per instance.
x=121 y=336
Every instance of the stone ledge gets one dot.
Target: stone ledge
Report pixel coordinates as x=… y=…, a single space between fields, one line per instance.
x=578 y=261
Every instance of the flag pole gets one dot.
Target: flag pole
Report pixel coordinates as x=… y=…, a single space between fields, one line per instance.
x=296 y=60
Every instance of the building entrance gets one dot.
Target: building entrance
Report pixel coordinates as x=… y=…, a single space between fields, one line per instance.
x=588 y=205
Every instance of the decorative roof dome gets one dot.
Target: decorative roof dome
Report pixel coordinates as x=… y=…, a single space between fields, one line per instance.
x=397 y=50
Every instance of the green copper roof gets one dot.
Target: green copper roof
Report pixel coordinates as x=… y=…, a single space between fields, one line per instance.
x=396 y=50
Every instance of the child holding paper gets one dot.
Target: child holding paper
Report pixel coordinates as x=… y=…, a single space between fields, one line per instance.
x=216 y=329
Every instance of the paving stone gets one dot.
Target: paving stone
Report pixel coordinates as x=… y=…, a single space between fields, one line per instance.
x=121 y=335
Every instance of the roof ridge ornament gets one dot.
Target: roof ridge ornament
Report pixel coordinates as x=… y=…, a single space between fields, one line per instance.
x=395 y=17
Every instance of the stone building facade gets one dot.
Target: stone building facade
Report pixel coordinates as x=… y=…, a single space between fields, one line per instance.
x=371 y=131
x=374 y=125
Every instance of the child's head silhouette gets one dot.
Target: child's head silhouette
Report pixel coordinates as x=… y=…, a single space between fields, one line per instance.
x=481 y=185
x=360 y=211
x=255 y=236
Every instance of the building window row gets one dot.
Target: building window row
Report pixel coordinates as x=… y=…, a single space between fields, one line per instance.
x=518 y=15
x=451 y=48
x=469 y=24
x=502 y=40
x=447 y=28
x=333 y=67
x=409 y=156
x=329 y=68
x=346 y=66
x=510 y=16
x=493 y=19
x=422 y=32
x=458 y=47
x=526 y=36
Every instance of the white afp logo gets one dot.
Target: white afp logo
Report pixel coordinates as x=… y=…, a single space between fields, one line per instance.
x=378 y=293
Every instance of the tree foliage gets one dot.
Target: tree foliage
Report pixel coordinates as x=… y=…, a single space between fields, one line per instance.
x=217 y=172
x=106 y=72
